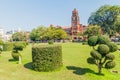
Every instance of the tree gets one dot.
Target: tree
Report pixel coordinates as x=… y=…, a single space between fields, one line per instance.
x=102 y=57
x=20 y=36
x=105 y=17
x=38 y=33
x=51 y=33
x=60 y=34
x=117 y=24
x=93 y=30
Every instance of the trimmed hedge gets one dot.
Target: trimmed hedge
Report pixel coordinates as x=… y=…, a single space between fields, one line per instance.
x=8 y=46
x=46 y=57
x=92 y=41
x=22 y=43
x=15 y=55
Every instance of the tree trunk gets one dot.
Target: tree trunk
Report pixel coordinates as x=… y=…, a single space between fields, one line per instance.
x=19 y=60
x=99 y=69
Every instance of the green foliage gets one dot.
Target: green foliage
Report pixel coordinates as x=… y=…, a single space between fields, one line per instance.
x=93 y=30
x=102 y=57
x=46 y=57
x=103 y=39
x=117 y=24
x=60 y=34
x=113 y=47
x=105 y=17
x=43 y=33
x=95 y=55
x=92 y=41
x=20 y=36
x=110 y=57
x=15 y=55
x=7 y=46
x=50 y=42
x=38 y=33
x=103 y=49
x=110 y=64
x=18 y=47
x=1 y=42
x=22 y=43
x=91 y=60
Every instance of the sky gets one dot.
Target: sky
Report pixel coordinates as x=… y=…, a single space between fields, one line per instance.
x=29 y=14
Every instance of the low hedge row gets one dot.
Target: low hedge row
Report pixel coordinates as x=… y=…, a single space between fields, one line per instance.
x=8 y=46
x=46 y=57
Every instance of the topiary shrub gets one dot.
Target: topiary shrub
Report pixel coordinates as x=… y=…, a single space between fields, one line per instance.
x=15 y=53
x=110 y=57
x=18 y=47
x=8 y=46
x=102 y=56
x=110 y=64
x=92 y=41
x=103 y=49
x=91 y=60
x=46 y=57
x=103 y=39
x=22 y=43
x=95 y=55
x=112 y=46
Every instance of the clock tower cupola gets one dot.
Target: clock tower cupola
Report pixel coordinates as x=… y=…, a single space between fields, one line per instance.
x=75 y=23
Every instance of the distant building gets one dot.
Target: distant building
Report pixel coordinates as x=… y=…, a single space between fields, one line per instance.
x=1 y=33
x=76 y=27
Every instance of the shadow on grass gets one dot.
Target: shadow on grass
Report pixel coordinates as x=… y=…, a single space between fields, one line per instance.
x=28 y=66
x=12 y=60
x=82 y=71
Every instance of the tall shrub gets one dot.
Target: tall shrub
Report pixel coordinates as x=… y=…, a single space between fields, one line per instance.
x=102 y=56
x=46 y=57
x=15 y=53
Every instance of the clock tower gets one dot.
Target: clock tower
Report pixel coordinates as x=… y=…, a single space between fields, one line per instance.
x=75 y=24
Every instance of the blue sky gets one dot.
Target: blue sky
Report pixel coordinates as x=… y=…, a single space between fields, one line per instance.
x=28 y=14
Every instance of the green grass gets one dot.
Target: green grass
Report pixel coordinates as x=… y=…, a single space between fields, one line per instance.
x=75 y=66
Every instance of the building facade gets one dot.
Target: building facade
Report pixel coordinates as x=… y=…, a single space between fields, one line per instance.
x=76 y=29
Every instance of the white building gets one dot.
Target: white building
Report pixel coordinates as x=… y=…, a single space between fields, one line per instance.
x=4 y=37
x=1 y=33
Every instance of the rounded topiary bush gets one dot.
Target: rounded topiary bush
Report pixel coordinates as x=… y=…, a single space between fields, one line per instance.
x=110 y=57
x=15 y=55
x=18 y=47
x=92 y=41
x=110 y=64
x=103 y=49
x=112 y=46
x=103 y=39
x=95 y=54
x=7 y=46
x=91 y=60
x=46 y=57
x=23 y=43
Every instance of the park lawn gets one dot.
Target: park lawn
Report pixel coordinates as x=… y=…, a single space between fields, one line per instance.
x=74 y=60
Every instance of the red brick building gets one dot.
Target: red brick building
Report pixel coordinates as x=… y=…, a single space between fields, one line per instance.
x=76 y=27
